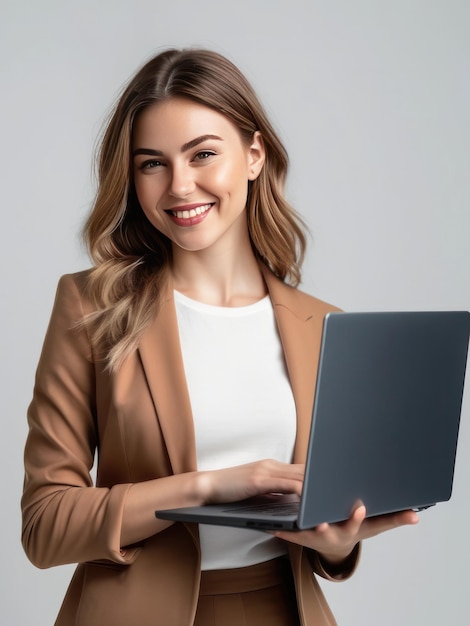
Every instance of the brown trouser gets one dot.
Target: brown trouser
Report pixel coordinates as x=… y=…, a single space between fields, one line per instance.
x=248 y=596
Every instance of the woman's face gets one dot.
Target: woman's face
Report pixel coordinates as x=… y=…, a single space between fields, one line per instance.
x=191 y=172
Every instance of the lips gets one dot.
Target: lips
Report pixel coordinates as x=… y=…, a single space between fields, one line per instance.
x=190 y=214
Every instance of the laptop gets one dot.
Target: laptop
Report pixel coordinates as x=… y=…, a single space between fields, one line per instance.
x=384 y=427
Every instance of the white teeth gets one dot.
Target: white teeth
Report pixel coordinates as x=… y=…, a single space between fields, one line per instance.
x=192 y=212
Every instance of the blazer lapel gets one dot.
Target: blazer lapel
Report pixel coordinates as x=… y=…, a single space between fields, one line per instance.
x=162 y=361
x=300 y=326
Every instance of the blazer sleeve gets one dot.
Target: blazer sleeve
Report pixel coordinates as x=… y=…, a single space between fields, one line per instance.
x=65 y=519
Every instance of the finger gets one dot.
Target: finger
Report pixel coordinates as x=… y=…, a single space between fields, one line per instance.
x=402 y=518
x=375 y=525
x=357 y=518
x=350 y=526
x=410 y=517
x=298 y=537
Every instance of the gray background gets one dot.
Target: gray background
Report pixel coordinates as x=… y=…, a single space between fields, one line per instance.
x=372 y=100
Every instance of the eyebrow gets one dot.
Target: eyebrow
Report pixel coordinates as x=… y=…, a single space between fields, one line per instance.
x=184 y=148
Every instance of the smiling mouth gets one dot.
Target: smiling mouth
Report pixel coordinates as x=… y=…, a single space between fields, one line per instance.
x=188 y=213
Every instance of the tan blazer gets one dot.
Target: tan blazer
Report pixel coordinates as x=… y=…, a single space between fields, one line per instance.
x=139 y=421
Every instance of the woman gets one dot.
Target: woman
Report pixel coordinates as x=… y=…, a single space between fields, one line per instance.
x=184 y=359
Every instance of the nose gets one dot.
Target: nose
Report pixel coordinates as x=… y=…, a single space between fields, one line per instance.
x=182 y=182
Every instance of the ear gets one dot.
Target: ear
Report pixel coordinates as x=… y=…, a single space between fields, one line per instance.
x=256 y=156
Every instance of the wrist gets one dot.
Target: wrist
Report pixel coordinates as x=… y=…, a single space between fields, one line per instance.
x=202 y=488
x=339 y=561
x=333 y=560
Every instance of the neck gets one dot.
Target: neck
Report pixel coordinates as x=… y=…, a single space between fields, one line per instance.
x=226 y=274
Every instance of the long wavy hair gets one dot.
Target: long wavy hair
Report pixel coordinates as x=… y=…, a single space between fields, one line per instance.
x=131 y=258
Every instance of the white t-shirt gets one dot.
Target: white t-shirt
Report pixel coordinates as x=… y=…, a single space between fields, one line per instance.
x=243 y=408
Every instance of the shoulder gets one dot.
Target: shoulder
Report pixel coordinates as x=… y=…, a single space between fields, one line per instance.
x=72 y=289
x=66 y=329
x=77 y=280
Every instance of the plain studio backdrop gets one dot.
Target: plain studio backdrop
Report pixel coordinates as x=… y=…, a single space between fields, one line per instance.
x=372 y=100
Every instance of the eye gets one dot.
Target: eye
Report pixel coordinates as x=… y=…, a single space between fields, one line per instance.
x=203 y=155
x=150 y=164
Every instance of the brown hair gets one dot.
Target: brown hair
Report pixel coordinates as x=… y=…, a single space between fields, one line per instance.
x=131 y=258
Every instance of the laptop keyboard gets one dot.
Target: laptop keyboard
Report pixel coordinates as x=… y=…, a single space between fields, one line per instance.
x=270 y=508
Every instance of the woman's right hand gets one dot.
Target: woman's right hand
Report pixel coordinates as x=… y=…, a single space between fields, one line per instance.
x=198 y=488
x=252 y=479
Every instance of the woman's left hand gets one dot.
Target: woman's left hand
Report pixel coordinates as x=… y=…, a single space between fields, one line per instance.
x=334 y=542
